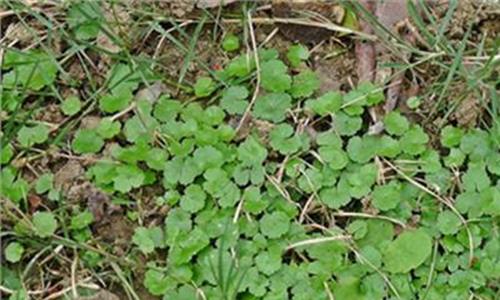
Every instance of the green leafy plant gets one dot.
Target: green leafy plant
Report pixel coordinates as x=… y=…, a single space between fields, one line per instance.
x=13 y=252
x=44 y=224
x=407 y=251
x=286 y=194
x=71 y=106
x=274 y=76
x=230 y=43
x=29 y=136
x=272 y=106
x=32 y=69
x=204 y=86
x=296 y=54
x=87 y=141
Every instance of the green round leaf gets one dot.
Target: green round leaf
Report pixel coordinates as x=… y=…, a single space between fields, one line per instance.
x=272 y=107
x=296 y=54
x=6 y=153
x=386 y=197
x=233 y=99
x=44 y=183
x=395 y=123
x=451 y=136
x=115 y=102
x=87 y=141
x=408 y=251
x=304 y=84
x=44 y=224
x=327 y=104
x=13 y=252
x=29 y=136
x=193 y=199
x=448 y=223
x=71 y=106
x=204 y=86
x=275 y=224
x=274 y=76
x=230 y=43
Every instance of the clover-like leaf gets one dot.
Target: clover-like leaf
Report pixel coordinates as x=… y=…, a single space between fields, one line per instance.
x=166 y=109
x=44 y=224
x=157 y=283
x=354 y=101
x=44 y=183
x=208 y=157
x=29 y=136
x=71 y=105
x=84 y=19
x=272 y=107
x=395 y=123
x=241 y=65
x=230 y=43
x=268 y=262
x=296 y=54
x=81 y=220
x=251 y=152
x=193 y=199
x=388 y=196
x=388 y=147
x=32 y=69
x=451 y=136
x=274 y=76
x=413 y=141
x=304 y=84
x=275 y=224
x=335 y=197
x=6 y=153
x=115 y=102
x=455 y=158
x=11 y=187
x=282 y=139
x=346 y=125
x=194 y=242
x=108 y=128
x=335 y=157
x=327 y=104
x=476 y=178
x=87 y=141
x=13 y=252
x=408 y=251
x=448 y=222
x=127 y=178
x=148 y=238
x=156 y=158
x=204 y=86
x=358 y=229
x=373 y=94
x=233 y=99
x=254 y=202
x=362 y=150
x=477 y=144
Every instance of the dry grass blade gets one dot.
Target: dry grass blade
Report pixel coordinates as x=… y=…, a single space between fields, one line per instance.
x=306 y=22
x=318 y=241
x=257 y=66
x=368 y=216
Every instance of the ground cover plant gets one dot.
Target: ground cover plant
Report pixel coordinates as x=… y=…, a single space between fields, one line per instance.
x=147 y=153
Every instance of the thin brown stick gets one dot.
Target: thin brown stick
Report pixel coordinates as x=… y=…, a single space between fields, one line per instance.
x=368 y=216
x=257 y=66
